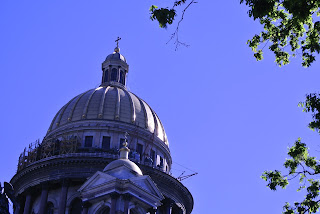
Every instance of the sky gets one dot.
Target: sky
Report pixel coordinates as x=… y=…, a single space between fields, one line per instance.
x=227 y=116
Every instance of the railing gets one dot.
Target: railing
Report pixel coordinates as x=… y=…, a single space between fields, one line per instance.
x=71 y=145
x=53 y=147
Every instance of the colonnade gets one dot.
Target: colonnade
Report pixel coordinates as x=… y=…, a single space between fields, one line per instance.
x=166 y=208
x=44 y=199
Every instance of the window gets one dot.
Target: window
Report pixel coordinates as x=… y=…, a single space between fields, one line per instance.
x=105 y=142
x=153 y=155
x=161 y=162
x=122 y=77
x=88 y=141
x=121 y=142
x=140 y=149
x=114 y=74
x=106 y=76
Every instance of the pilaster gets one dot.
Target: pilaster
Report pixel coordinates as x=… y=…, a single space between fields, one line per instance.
x=27 y=204
x=44 y=197
x=63 y=196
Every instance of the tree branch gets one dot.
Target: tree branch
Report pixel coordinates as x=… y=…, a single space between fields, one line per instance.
x=175 y=34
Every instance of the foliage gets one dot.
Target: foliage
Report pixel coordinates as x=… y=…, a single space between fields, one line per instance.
x=164 y=16
x=312 y=104
x=301 y=164
x=167 y=16
x=289 y=26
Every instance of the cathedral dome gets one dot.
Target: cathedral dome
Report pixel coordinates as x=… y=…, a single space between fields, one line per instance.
x=114 y=138
x=107 y=104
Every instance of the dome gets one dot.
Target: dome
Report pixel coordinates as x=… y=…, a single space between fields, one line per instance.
x=115 y=56
x=131 y=166
x=106 y=104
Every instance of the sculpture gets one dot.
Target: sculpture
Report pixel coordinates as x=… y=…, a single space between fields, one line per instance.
x=5 y=193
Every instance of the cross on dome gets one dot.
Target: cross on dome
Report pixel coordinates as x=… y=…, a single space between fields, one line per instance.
x=117 y=49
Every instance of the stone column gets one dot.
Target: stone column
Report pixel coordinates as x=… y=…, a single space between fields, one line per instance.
x=118 y=79
x=63 y=196
x=44 y=198
x=126 y=198
x=104 y=74
x=168 y=206
x=114 y=197
x=17 y=209
x=168 y=209
x=27 y=204
x=109 y=73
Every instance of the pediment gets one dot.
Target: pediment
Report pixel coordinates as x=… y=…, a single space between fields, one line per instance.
x=146 y=183
x=122 y=172
x=98 y=179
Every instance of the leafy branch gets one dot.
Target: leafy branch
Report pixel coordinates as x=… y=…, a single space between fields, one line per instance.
x=166 y=17
x=287 y=23
x=312 y=104
x=301 y=164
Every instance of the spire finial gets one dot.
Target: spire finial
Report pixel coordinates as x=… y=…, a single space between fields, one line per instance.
x=124 y=151
x=117 y=49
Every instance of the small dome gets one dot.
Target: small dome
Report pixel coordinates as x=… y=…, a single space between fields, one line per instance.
x=116 y=56
x=109 y=103
x=131 y=166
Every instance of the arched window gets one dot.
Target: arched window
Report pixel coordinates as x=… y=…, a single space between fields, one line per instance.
x=122 y=77
x=76 y=206
x=114 y=74
x=106 y=76
x=49 y=208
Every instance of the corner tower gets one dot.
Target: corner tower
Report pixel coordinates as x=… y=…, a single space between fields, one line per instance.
x=84 y=136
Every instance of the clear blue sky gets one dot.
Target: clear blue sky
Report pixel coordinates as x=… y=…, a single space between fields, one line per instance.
x=227 y=117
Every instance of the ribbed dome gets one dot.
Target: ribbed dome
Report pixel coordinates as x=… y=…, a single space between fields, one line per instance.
x=115 y=56
x=110 y=103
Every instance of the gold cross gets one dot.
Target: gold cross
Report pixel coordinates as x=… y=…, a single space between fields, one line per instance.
x=117 y=41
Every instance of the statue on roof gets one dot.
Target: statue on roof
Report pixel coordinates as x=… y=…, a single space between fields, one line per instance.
x=6 y=193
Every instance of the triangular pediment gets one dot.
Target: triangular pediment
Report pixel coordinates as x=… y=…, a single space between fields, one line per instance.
x=122 y=172
x=146 y=183
x=98 y=179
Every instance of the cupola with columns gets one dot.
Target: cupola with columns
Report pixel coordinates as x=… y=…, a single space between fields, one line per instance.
x=114 y=68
